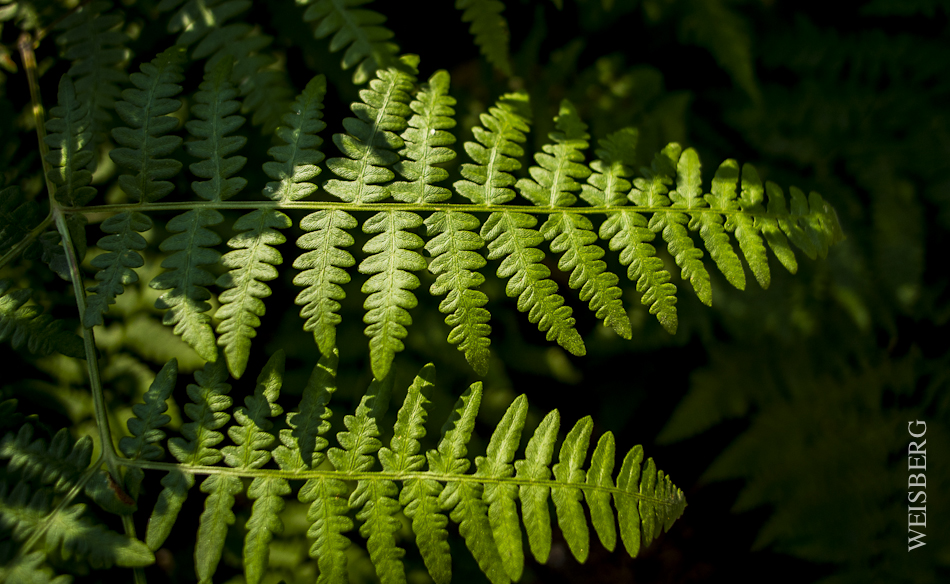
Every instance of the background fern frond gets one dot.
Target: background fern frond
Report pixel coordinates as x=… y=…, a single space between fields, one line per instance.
x=490 y=30
x=359 y=30
x=40 y=505
x=204 y=23
x=94 y=41
x=18 y=216
x=69 y=136
x=29 y=325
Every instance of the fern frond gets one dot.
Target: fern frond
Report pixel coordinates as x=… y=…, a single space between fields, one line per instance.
x=39 y=505
x=503 y=128
x=67 y=532
x=688 y=195
x=390 y=284
x=69 y=136
x=141 y=147
x=94 y=42
x=484 y=504
x=490 y=29
x=149 y=416
x=60 y=464
x=18 y=215
x=567 y=500
x=427 y=143
x=452 y=241
x=369 y=146
x=651 y=192
x=204 y=23
x=185 y=277
x=453 y=245
x=500 y=497
x=371 y=140
x=534 y=497
x=554 y=182
x=723 y=198
x=302 y=443
x=142 y=143
x=357 y=29
x=31 y=326
x=419 y=497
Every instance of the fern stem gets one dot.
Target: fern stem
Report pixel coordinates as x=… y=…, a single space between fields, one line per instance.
x=376 y=207
x=25 y=46
x=252 y=473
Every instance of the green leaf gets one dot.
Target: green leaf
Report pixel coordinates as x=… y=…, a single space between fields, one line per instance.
x=427 y=143
x=710 y=225
x=69 y=136
x=142 y=144
x=371 y=140
x=116 y=265
x=149 y=417
x=185 y=278
x=357 y=29
x=323 y=272
x=511 y=238
x=490 y=30
x=31 y=326
x=567 y=500
x=534 y=497
x=496 y=152
x=214 y=522
x=391 y=281
x=500 y=497
x=598 y=500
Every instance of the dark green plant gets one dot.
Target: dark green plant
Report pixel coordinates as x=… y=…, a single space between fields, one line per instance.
x=392 y=179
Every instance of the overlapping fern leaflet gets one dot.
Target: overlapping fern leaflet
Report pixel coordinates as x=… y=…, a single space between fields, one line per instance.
x=510 y=235
x=426 y=487
x=253 y=261
x=193 y=244
x=552 y=184
x=369 y=147
x=141 y=146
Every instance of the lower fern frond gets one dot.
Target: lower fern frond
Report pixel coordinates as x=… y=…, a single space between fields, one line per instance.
x=426 y=488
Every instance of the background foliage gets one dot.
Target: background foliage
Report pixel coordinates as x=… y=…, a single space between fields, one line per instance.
x=781 y=413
